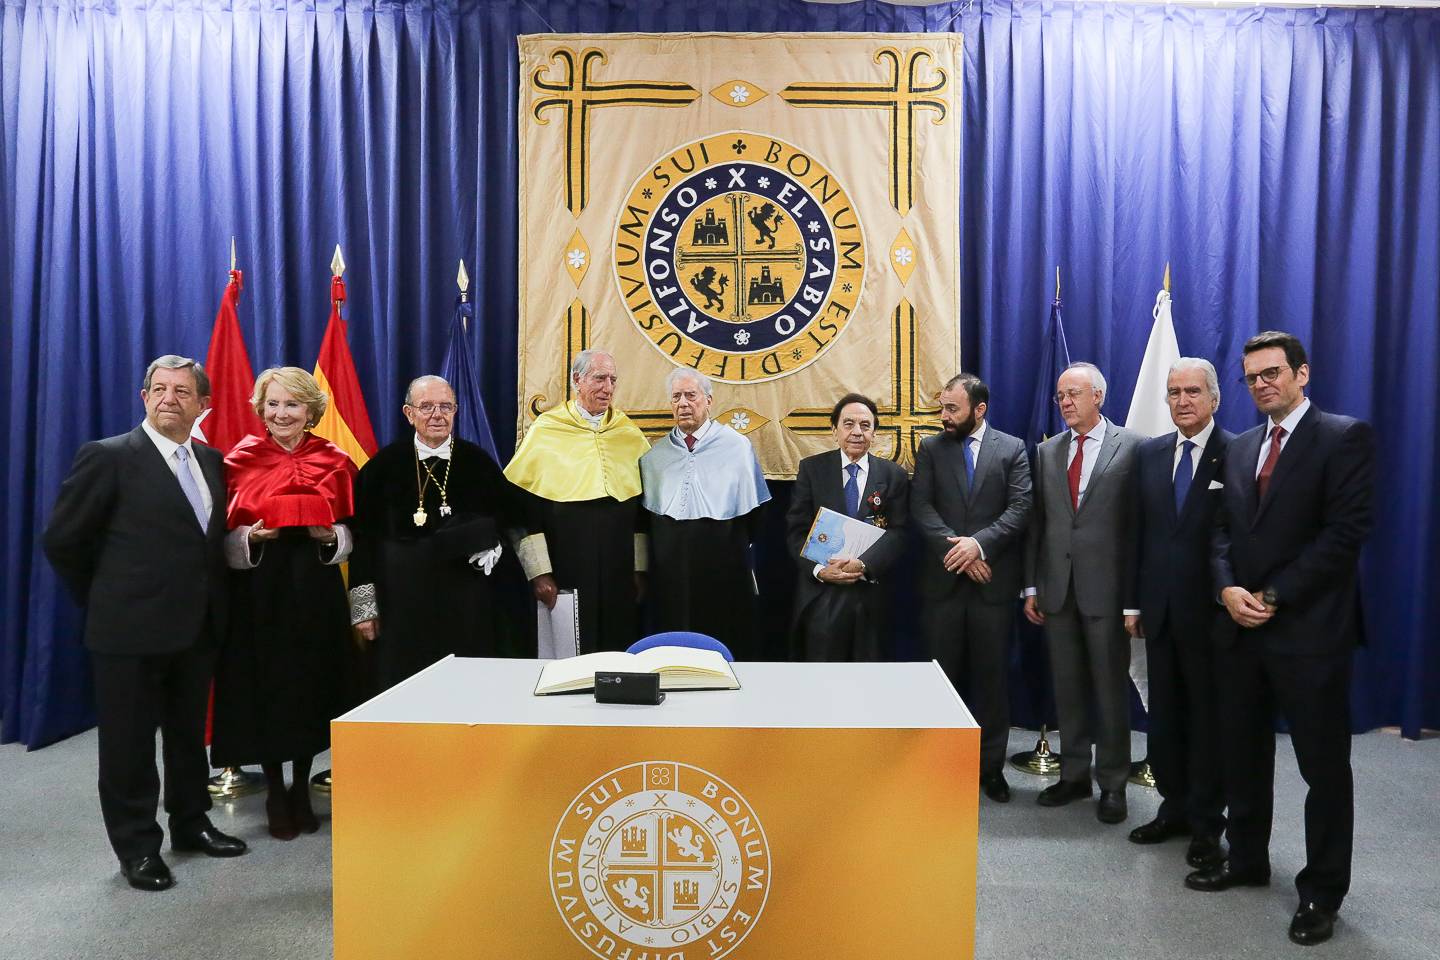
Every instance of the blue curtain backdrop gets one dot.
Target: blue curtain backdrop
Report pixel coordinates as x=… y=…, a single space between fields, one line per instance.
x=1287 y=162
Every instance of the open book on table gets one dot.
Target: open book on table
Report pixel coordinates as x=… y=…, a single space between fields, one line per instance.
x=680 y=668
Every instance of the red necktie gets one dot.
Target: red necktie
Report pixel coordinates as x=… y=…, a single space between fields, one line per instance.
x=690 y=442
x=1262 y=481
x=1076 y=466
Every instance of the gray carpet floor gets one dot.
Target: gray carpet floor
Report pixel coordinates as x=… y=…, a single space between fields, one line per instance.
x=1053 y=883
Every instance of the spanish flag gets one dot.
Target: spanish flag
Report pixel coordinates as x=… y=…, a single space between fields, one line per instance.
x=345 y=423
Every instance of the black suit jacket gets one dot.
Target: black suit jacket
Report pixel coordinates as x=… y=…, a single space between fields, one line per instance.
x=1173 y=563
x=995 y=512
x=1303 y=540
x=125 y=541
x=818 y=484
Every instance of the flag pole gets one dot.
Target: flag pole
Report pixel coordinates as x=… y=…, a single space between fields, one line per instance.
x=1040 y=761
x=234 y=782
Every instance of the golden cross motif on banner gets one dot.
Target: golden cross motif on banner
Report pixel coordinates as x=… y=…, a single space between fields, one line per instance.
x=905 y=418
x=903 y=95
x=577 y=92
x=577 y=337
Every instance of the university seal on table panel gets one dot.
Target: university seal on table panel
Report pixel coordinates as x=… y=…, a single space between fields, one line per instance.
x=661 y=859
x=741 y=255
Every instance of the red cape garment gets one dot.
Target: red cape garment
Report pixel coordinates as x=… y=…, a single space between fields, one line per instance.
x=266 y=481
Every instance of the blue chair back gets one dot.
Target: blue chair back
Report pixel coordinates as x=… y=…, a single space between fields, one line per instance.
x=682 y=638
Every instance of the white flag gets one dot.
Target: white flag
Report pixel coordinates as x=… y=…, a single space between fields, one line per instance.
x=1150 y=415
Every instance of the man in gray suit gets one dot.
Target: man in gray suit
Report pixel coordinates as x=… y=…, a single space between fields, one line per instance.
x=971 y=499
x=1078 y=563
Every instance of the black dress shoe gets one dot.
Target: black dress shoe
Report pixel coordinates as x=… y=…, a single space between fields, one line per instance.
x=995 y=787
x=1204 y=851
x=1066 y=791
x=1158 y=831
x=150 y=873
x=1312 y=924
x=1215 y=879
x=1112 y=807
x=209 y=841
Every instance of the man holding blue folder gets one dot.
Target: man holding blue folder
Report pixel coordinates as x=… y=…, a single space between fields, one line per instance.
x=840 y=606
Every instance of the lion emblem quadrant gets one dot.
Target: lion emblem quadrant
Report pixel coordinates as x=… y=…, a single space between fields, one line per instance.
x=739 y=255
x=662 y=857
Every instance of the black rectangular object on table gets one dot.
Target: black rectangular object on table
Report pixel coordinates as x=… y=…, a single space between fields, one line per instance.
x=617 y=687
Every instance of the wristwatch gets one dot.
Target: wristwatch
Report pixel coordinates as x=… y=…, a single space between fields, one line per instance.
x=1271 y=598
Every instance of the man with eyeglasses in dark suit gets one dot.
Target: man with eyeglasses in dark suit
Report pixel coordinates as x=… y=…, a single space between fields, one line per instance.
x=1295 y=512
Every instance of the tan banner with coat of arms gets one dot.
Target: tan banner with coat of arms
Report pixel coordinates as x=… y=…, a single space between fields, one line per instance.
x=778 y=211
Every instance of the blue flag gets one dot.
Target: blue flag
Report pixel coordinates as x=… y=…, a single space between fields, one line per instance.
x=1045 y=418
x=459 y=369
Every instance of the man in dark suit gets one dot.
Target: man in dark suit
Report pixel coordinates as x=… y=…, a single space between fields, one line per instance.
x=1179 y=492
x=840 y=610
x=136 y=533
x=1077 y=563
x=972 y=502
x=1295 y=511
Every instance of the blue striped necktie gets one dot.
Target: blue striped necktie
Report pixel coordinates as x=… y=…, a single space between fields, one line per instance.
x=1184 y=473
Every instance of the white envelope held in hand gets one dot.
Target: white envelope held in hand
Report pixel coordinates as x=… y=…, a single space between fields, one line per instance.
x=1216 y=485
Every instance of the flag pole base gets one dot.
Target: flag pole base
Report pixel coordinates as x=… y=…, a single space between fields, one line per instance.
x=234 y=782
x=1141 y=775
x=320 y=783
x=1040 y=761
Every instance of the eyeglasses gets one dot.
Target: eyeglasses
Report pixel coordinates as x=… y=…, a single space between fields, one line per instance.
x=1269 y=375
x=428 y=408
x=1074 y=393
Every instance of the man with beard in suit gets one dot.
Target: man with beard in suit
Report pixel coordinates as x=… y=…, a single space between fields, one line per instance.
x=972 y=502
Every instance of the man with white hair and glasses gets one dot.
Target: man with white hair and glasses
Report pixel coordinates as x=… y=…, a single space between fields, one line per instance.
x=1077 y=563
x=1180 y=491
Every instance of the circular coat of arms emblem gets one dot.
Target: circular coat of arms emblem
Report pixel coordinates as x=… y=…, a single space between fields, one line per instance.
x=739 y=255
x=663 y=857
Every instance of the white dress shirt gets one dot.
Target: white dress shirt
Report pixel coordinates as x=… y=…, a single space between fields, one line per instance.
x=423 y=450
x=1094 y=440
x=594 y=419
x=1200 y=440
x=1289 y=423
x=698 y=434
x=167 y=448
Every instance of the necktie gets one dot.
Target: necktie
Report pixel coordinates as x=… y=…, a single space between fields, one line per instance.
x=187 y=485
x=852 y=490
x=1077 y=465
x=969 y=463
x=690 y=442
x=1262 y=482
x=1184 y=473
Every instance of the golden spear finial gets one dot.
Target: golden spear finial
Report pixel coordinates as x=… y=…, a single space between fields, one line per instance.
x=337 y=262
x=1057 y=281
x=1167 y=276
x=232 y=254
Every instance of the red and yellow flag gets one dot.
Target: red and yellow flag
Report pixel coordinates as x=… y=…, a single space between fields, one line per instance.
x=346 y=422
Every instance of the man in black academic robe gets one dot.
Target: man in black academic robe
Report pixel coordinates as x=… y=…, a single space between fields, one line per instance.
x=429 y=513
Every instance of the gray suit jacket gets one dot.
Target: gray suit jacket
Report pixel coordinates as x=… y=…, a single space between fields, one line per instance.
x=995 y=512
x=1096 y=544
